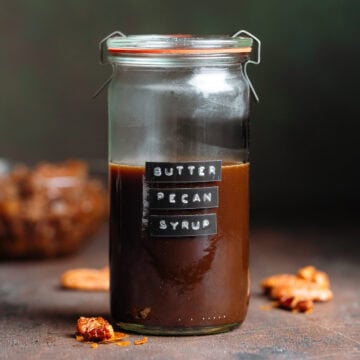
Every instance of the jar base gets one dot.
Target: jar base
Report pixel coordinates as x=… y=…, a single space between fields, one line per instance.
x=180 y=331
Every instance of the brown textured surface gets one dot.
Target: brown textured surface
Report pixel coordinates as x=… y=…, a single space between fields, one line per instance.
x=38 y=318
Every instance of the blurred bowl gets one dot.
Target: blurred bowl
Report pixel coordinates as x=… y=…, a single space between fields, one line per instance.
x=48 y=210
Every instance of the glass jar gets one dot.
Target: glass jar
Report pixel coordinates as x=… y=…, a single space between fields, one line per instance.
x=179 y=181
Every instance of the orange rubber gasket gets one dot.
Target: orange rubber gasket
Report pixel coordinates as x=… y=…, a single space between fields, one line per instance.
x=179 y=51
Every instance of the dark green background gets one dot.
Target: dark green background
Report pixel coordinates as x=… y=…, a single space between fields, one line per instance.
x=305 y=148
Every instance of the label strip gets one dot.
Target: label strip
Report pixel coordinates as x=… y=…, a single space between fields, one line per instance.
x=182 y=225
x=183 y=198
x=183 y=172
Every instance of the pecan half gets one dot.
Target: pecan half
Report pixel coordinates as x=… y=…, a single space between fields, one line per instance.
x=298 y=292
x=86 y=279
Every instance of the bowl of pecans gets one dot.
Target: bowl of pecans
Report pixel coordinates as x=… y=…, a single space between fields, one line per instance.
x=48 y=210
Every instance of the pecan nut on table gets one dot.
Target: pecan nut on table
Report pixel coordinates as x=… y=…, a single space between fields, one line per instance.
x=298 y=292
x=86 y=279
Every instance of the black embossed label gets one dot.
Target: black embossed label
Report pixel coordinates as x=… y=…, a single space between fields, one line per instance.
x=165 y=199
x=182 y=225
x=184 y=198
x=183 y=172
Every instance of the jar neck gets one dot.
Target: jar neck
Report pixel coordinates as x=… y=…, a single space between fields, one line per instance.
x=186 y=61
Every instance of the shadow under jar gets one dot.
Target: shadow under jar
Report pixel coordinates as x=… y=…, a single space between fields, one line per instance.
x=179 y=182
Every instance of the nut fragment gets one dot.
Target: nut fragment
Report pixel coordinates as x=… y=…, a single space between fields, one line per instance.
x=79 y=338
x=94 y=329
x=117 y=336
x=123 y=343
x=141 y=341
x=86 y=279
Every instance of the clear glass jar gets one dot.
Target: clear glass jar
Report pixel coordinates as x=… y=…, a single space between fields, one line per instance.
x=179 y=180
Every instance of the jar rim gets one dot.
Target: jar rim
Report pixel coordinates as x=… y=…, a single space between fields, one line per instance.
x=178 y=44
